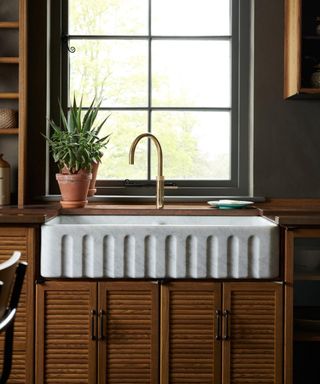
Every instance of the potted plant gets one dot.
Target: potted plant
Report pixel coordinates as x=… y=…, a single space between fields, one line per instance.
x=76 y=147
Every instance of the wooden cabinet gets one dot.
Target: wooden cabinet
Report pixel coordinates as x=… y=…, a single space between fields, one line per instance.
x=108 y=332
x=23 y=240
x=302 y=47
x=302 y=305
x=13 y=41
x=97 y=332
x=221 y=333
x=252 y=351
x=190 y=333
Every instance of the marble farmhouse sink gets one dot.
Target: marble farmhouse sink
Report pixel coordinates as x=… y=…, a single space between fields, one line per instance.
x=159 y=247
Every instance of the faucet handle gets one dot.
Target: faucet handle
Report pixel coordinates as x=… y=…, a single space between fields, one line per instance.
x=171 y=187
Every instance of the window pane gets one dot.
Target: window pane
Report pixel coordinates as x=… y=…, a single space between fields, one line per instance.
x=196 y=145
x=124 y=127
x=190 y=17
x=113 y=70
x=191 y=73
x=112 y=17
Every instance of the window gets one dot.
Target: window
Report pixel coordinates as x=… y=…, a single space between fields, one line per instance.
x=175 y=68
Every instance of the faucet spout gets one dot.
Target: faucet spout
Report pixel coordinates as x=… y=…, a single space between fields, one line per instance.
x=160 y=177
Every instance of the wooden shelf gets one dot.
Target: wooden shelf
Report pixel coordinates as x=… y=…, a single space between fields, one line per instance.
x=9 y=95
x=9 y=131
x=9 y=60
x=306 y=336
x=307 y=276
x=310 y=91
x=311 y=37
x=9 y=24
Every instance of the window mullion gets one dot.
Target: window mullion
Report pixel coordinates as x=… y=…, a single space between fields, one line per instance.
x=237 y=162
x=149 y=86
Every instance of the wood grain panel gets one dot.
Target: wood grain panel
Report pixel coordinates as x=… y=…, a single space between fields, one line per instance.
x=128 y=345
x=20 y=239
x=18 y=371
x=9 y=60
x=292 y=48
x=9 y=95
x=10 y=131
x=66 y=353
x=253 y=354
x=288 y=305
x=9 y=24
x=189 y=351
x=22 y=95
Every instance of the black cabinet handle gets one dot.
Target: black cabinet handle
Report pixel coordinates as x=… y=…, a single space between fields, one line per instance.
x=93 y=324
x=226 y=316
x=101 y=322
x=218 y=324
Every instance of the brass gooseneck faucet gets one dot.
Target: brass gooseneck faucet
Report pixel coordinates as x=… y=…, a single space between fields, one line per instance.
x=160 y=177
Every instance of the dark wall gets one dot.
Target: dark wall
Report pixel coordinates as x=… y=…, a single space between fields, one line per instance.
x=286 y=132
x=286 y=154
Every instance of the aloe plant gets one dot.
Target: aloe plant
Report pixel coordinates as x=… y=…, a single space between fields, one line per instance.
x=75 y=144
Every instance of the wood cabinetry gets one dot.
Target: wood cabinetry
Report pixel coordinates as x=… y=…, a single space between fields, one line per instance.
x=302 y=47
x=23 y=240
x=108 y=332
x=190 y=329
x=221 y=333
x=13 y=90
x=97 y=332
x=302 y=305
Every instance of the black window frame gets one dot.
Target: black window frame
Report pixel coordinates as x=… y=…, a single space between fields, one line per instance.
x=238 y=185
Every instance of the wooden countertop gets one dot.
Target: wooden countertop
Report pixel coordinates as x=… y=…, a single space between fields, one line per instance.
x=34 y=214
x=184 y=209
x=292 y=212
x=286 y=212
x=38 y=214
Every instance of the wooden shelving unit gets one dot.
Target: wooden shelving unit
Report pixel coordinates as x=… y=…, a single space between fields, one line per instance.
x=302 y=304
x=17 y=96
x=301 y=48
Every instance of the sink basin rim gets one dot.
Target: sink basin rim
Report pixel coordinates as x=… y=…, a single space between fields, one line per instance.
x=157 y=220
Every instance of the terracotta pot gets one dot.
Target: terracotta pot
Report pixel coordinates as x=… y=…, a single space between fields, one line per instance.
x=74 y=189
x=92 y=186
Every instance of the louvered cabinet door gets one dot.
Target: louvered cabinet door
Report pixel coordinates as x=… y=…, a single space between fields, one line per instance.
x=252 y=352
x=65 y=349
x=23 y=240
x=190 y=351
x=128 y=333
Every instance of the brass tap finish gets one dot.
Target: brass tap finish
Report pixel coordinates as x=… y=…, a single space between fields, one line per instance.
x=160 y=177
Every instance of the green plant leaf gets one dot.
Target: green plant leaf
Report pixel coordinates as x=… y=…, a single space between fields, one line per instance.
x=76 y=144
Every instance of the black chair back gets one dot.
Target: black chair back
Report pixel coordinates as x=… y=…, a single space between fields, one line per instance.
x=12 y=274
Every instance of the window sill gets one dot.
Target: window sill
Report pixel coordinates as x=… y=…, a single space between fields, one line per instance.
x=150 y=199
